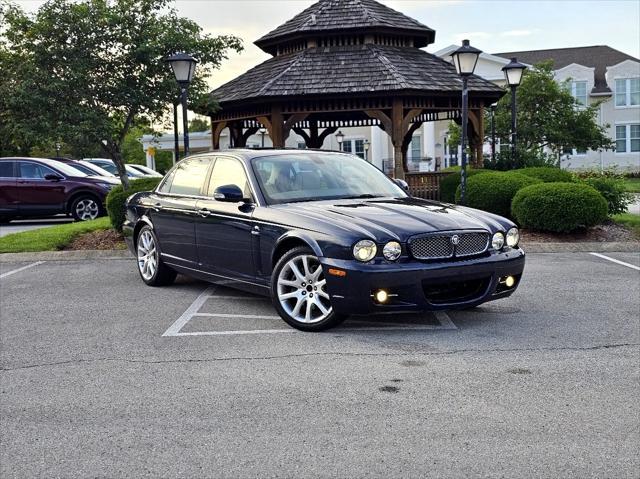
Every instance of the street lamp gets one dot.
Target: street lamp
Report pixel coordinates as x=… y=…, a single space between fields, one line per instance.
x=263 y=131
x=513 y=74
x=465 y=60
x=58 y=146
x=366 y=150
x=183 y=66
x=340 y=139
x=493 y=132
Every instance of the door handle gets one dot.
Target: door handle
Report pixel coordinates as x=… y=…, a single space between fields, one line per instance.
x=204 y=212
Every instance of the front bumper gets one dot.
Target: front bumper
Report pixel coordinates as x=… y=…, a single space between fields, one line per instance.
x=419 y=286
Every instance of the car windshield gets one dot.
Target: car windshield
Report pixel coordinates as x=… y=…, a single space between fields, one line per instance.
x=314 y=176
x=64 y=168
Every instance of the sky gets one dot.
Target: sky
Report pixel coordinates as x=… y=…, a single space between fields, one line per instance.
x=491 y=25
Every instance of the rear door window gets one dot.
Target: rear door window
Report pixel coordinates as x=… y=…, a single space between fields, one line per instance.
x=6 y=169
x=189 y=176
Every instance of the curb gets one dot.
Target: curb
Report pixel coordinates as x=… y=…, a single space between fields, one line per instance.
x=65 y=256
x=584 y=247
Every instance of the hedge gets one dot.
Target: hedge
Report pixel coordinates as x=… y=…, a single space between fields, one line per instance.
x=117 y=198
x=558 y=207
x=614 y=191
x=448 y=184
x=493 y=191
x=547 y=174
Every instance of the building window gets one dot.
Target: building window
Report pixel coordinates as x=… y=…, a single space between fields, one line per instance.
x=359 y=148
x=416 y=148
x=579 y=92
x=346 y=146
x=302 y=145
x=628 y=138
x=628 y=92
x=354 y=146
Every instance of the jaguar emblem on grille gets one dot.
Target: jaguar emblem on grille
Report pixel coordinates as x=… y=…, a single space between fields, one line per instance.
x=455 y=239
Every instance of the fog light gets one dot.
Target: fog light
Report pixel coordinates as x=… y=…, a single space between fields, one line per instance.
x=509 y=281
x=381 y=296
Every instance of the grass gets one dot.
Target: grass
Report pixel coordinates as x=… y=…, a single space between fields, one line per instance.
x=632 y=184
x=630 y=221
x=51 y=238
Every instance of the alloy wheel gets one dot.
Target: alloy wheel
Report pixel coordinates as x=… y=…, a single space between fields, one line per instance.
x=302 y=290
x=147 y=255
x=87 y=209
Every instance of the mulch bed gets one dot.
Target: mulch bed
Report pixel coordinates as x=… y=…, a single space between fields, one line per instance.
x=606 y=232
x=98 y=240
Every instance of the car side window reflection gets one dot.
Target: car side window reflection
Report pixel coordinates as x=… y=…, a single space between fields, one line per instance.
x=165 y=187
x=6 y=169
x=228 y=171
x=189 y=176
x=33 y=171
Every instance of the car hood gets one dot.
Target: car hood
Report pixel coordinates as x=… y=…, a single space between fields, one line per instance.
x=391 y=218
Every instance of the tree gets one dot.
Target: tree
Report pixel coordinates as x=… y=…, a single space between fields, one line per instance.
x=549 y=116
x=91 y=69
x=198 y=124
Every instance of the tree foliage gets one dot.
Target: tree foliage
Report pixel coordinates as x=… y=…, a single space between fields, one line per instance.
x=548 y=116
x=87 y=70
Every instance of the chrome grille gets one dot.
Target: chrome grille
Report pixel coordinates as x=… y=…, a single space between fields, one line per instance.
x=442 y=246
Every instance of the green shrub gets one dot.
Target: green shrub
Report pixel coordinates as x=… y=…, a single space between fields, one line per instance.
x=614 y=191
x=448 y=184
x=117 y=198
x=493 y=191
x=547 y=174
x=524 y=159
x=559 y=207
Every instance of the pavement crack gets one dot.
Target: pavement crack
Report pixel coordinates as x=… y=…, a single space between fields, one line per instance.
x=316 y=354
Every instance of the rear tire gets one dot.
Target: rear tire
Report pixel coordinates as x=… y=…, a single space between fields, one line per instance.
x=299 y=293
x=151 y=268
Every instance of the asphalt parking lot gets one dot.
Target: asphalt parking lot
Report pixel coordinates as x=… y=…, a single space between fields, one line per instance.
x=102 y=376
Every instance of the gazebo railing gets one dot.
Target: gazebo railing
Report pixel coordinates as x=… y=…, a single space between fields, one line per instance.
x=426 y=185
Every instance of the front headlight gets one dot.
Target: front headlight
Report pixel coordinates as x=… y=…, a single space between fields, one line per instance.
x=498 y=241
x=364 y=250
x=513 y=237
x=392 y=250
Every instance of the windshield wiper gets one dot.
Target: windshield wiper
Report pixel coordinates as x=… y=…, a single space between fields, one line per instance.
x=357 y=197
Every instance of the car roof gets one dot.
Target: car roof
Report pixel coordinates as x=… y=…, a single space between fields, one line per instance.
x=251 y=153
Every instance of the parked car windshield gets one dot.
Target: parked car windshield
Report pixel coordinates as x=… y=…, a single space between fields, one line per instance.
x=311 y=176
x=64 y=168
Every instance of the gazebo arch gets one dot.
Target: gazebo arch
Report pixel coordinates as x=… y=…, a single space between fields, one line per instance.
x=348 y=63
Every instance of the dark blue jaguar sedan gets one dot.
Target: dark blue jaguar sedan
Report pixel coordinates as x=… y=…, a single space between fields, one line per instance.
x=326 y=235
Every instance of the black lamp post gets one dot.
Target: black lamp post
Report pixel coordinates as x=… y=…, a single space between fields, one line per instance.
x=263 y=131
x=340 y=139
x=183 y=66
x=493 y=132
x=366 y=150
x=176 y=138
x=465 y=60
x=513 y=74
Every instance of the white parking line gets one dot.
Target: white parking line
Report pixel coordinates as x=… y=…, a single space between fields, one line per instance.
x=613 y=260
x=194 y=311
x=9 y=273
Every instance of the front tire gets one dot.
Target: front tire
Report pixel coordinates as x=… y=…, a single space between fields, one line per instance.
x=85 y=208
x=151 y=268
x=299 y=292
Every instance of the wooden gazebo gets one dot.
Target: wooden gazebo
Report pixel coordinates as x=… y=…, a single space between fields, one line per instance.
x=347 y=63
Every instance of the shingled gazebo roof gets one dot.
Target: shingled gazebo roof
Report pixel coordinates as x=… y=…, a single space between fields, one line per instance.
x=349 y=70
x=347 y=16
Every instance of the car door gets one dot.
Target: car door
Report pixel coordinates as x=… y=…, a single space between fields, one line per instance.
x=37 y=195
x=8 y=189
x=173 y=211
x=224 y=230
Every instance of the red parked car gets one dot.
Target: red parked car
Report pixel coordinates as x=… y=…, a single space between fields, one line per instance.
x=40 y=187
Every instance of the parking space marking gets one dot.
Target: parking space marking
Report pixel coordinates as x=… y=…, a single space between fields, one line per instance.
x=9 y=273
x=613 y=260
x=379 y=323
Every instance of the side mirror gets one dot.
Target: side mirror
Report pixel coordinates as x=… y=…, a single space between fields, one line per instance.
x=402 y=184
x=228 y=193
x=52 y=177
